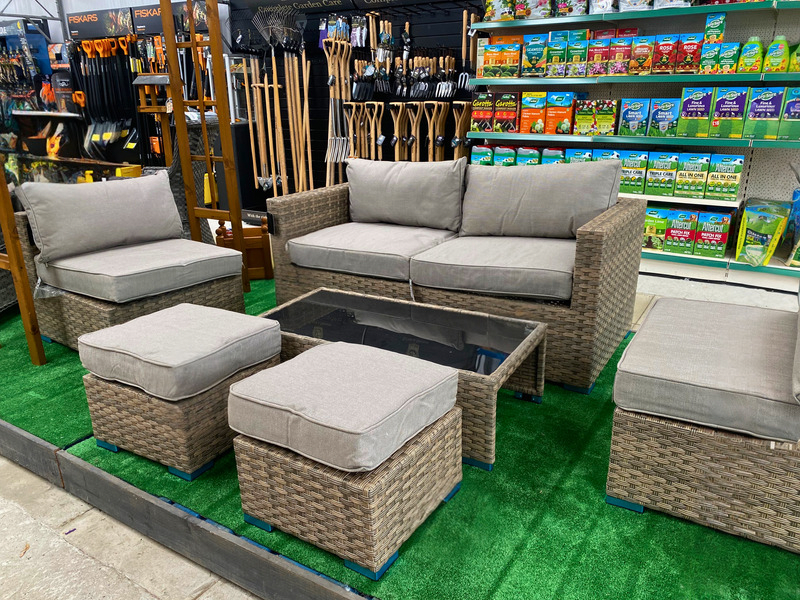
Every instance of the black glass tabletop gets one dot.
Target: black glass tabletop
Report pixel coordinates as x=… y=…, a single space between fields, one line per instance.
x=460 y=339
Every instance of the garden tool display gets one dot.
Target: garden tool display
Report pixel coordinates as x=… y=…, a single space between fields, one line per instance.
x=400 y=119
x=414 y=111
x=463 y=77
x=462 y=112
x=373 y=113
x=337 y=52
x=473 y=53
x=246 y=69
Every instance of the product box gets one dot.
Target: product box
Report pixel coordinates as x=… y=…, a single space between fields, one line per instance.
x=505 y=39
x=761 y=230
x=763 y=113
x=655 y=228
x=751 y=58
x=576 y=155
x=506 y=112
x=568 y=8
x=789 y=129
x=528 y=156
x=597 y=58
x=533 y=9
x=504 y=156
x=715 y=28
x=553 y=155
x=627 y=32
x=680 y=232
x=709 y=59
x=483 y=43
x=501 y=60
x=605 y=34
x=558 y=36
x=634 y=170
x=689 y=50
x=711 y=238
x=619 y=56
x=584 y=117
x=696 y=107
x=633 y=116
x=481 y=155
x=664 y=116
x=727 y=121
x=665 y=53
x=690 y=182
x=556 y=59
x=724 y=176
x=577 y=52
x=605 y=155
x=576 y=35
x=559 y=112
x=534 y=55
x=728 y=58
x=662 y=168
x=605 y=117
x=532 y=112
x=642 y=50
x=499 y=10
x=482 y=110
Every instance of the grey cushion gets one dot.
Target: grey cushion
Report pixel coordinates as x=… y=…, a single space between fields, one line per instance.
x=548 y=201
x=720 y=365
x=67 y=219
x=531 y=267
x=374 y=249
x=344 y=405
x=180 y=351
x=407 y=193
x=133 y=272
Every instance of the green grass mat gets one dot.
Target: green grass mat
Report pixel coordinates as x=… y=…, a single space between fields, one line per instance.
x=49 y=401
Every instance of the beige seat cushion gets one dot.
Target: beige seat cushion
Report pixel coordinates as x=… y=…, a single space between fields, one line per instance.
x=132 y=272
x=719 y=365
x=372 y=249
x=539 y=268
x=180 y=351
x=344 y=405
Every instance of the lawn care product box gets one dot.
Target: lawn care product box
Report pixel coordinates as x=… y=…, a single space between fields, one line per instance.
x=528 y=156
x=696 y=107
x=789 y=129
x=665 y=53
x=482 y=155
x=577 y=52
x=690 y=182
x=730 y=105
x=709 y=59
x=605 y=116
x=559 y=113
x=634 y=170
x=619 y=56
x=655 y=228
x=534 y=55
x=556 y=59
x=482 y=110
x=506 y=112
x=664 y=116
x=763 y=113
x=578 y=155
x=605 y=155
x=597 y=58
x=533 y=107
x=504 y=156
x=553 y=155
x=728 y=58
x=662 y=168
x=711 y=238
x=715 y=28
x=724 y=176
x=761 y=229
x=689 y=49
x=633 y=116
x=585 y=117
x=680 y=232
x=642 y=50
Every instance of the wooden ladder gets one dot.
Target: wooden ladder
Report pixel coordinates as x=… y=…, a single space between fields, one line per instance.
x=220 y=105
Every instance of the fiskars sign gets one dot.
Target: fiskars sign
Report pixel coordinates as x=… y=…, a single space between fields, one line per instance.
x=100 y=23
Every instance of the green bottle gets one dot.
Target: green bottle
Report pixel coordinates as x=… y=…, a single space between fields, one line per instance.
x=777 y=57
x=752 y=57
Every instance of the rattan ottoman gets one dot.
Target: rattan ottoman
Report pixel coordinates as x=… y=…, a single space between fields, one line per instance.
x=350 y=468
x=158 y=385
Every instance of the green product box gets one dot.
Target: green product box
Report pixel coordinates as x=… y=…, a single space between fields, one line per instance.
x=504 y=156
x=662 y=168
x=690 y=182
x=585 y=117
x=761 y=230
x=711 y=238
x=696 y=107
x=664 y=117
x=528 y=156
x=556 y=59
x=715 y=28
x=789 y=129
x=553 y=155
x=633 y=116
x=534 y=55
x=577 y=52
x=724 y=176
x=680 y=232
x=655 y=228
x=730 y=106
x=605 y=155
x=728 y=58
x=481 y=155
x=709 y=59
x=764 y=107
x=605 y=116
x=634 y=169
x=578 y=155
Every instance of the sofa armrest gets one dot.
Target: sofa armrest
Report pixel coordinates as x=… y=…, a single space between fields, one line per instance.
x=29 y=250
x=301 y=213
x=607 y=256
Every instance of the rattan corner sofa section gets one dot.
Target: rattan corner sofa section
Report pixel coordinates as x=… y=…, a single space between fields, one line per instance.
x=583 y=331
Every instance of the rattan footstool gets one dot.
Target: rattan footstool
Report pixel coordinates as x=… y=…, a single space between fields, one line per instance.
x=158 y=385
x=347 y=447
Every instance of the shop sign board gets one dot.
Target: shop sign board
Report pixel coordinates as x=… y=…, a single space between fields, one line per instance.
x=303 y=6
x=97 y=24
x=147 y=19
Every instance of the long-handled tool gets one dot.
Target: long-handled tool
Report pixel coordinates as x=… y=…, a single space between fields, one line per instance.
x=461 y=113
x=246 y=66
x=415 y=111
x=463 y=78
x=398 y=112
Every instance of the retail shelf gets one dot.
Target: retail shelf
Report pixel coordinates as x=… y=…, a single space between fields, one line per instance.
x=67 y=160
x=602 y=140
x=607 y=79
x=776 y=266
x=687 y=201
x=531 y=137
x=46 y=113
x=532 y=81
x=686 y=259
x=781 y=76
x=676 y=141
x=775 y=143
x=787 y=5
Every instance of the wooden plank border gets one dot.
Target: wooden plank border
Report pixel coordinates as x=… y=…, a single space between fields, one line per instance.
x=31 y=452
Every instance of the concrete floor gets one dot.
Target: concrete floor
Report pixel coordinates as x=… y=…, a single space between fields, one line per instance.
x=58 y=547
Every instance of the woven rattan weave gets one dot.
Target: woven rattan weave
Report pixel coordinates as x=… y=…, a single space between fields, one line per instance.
x=735 y=483
x=361 y=517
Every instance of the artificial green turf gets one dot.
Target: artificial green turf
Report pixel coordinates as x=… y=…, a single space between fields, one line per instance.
x=535 y=527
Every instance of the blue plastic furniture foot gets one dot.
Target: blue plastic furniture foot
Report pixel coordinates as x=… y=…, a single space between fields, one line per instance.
x=476 y=463
x=46 y=339
x=194 y=474
x=106 y=446
x=624 y=504
x=528 y=397
x=572 y=388
x=452 y=492
x=257 y=522
x=374 y=575
x=629 y=334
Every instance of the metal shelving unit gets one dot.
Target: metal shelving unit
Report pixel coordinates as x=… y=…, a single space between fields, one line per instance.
x=687 y=201
x=651 y=78
x=46 y=113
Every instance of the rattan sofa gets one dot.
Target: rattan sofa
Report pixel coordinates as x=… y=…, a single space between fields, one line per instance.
x=582 y=331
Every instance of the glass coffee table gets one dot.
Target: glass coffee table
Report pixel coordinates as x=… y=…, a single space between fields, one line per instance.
x=489 y=351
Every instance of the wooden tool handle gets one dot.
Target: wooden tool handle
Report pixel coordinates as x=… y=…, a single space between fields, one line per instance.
x=473 y=44
x=465 y=26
